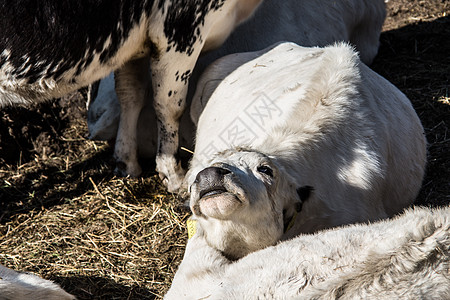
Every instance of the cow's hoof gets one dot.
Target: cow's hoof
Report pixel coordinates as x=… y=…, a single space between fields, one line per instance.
x=123 y=170
x=172 y=183
x=170 y=172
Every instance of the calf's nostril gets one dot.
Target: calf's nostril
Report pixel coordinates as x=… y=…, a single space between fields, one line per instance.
x=222 y=171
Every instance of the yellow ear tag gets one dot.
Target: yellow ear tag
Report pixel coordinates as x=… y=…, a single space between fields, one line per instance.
x=191 y=227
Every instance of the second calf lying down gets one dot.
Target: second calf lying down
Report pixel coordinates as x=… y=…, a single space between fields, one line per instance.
x=291 y=128
x=404 y=258
x=23 y=286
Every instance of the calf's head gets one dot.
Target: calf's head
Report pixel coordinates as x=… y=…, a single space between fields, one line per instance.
x=243 y=201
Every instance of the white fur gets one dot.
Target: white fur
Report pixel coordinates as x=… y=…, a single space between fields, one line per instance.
x=318 y=117
x=21 y=286
x=305 y=22
x=403 y=258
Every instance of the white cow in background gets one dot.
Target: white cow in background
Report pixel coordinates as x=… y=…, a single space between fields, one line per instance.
x=291 y=128
x=404 y=258
x=23 y=286
x=305 y=22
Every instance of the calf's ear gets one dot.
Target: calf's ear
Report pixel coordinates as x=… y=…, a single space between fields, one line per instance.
x=303 y=193
x=289 y=215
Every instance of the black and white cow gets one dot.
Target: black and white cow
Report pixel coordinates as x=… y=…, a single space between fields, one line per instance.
x=305 y=22
x=51 y=47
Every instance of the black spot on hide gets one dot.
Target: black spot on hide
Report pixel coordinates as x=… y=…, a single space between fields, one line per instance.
x=184 y=20
x=46 y=38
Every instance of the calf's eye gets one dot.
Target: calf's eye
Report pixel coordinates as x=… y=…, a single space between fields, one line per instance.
x=265 y=170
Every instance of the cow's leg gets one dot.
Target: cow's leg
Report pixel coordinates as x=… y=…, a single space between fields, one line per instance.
x=131 y=81
x=170 y=78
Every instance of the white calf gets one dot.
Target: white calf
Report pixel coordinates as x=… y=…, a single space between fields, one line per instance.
x=21 y=286
x=404 y=258
x=305 y=22
x=306 y=129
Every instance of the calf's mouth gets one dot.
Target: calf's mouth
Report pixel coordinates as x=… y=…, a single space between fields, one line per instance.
x=211 y=192
x=218 y=202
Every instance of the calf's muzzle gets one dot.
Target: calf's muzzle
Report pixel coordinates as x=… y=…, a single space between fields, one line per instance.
x=210 y=181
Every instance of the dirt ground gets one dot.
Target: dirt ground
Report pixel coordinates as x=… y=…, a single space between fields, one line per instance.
x=65 y=216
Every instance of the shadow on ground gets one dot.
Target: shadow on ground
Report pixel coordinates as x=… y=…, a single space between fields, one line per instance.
x=416 y=59
x=99 y=288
